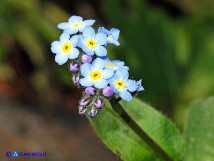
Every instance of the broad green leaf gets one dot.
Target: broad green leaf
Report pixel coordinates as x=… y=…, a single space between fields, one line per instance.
x=199 y=131
x=122 y=140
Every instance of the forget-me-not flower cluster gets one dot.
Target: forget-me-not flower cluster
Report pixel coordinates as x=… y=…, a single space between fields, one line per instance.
x=90 y=66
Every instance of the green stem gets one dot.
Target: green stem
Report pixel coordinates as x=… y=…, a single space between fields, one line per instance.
x=138 y=130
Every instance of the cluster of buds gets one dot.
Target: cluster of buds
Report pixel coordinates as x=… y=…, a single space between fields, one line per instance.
x=90 y=67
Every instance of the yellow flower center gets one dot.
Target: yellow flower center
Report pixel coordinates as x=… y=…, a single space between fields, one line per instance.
x=76 y=25
x=119 y=84
x=109 y=37
x=95 y=75
x=66 y=47
x=110 y=65
x=91 y=43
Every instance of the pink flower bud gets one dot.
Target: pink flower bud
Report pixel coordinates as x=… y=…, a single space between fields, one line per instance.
x=74 y=67
x=90 y=91
x=86 y=58
x=107 y=91
x=99 y=103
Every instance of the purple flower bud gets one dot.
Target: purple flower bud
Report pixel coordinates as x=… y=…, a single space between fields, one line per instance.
x=82 y=110
x=75 y=79
x=99 y=103
x=86 y=58
x=107 y=91
x=93 y=112
x=90 y=91
x=84 y=102
x=74 y=67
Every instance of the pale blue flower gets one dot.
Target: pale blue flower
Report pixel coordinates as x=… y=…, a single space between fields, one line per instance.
x=115 y=64
x=112 y=35
x=93 y=43
x=75 y=24
x=95 y=74
x=65 y=48
x=122 y=85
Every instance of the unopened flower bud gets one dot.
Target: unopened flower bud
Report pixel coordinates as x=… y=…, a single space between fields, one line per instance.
x=90 y=91
x=84 y=102
x=139 y=86
x=93 y=112
x=99 y=103
x=107 y=91
x=75 y=79
x=82 y=110
x=86 y=58
x=74 y=67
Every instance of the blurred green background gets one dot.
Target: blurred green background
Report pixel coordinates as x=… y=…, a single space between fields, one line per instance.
x=167 y=43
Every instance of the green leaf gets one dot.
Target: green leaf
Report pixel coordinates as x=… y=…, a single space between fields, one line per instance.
x=122 y=140
x=199 y=131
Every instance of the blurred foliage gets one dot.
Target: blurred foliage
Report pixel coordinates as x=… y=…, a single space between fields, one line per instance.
x=32 y=25
x=173 y=55
x=199 y=131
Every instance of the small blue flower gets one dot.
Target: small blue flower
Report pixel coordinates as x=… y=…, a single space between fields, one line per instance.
x=65 y=48
x=92 y=43
x=95 y=74
x=112 y=35
x=75 y=24
x=122 y=85
x=115 y=64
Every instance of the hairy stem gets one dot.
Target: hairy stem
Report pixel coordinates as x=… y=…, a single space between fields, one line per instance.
x=138 y=130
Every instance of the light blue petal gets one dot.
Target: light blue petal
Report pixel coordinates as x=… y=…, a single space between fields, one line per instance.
x=87 y=51
x=75 y=19
x=125 y=95
x=139 y=84
x=80 y=42
x=88 y=32
x=55 y=47
x=74 y=40
x=101 y=51
x=107 y=73
x=71 y=31
x=85 y=82
x=64 y=37
x=131 y=85
x=118 y=63
x=103 y=57
x=111 y=82
x=63 y=25
x=122 y=73
x=103 y=30
x=102 y=83
x=115 y=42
x=101 y=38
x=125 y=67
x=85 y=69
x=98 y=64
x=73 y=54
x=61 y=59
x=89 y=22
x=115 y=33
